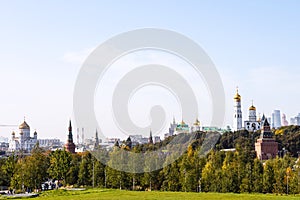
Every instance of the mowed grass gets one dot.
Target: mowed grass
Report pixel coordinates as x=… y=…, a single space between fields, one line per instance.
x=92 y=194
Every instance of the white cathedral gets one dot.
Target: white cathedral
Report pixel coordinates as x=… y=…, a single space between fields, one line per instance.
x=252 y=124
x=24 y=141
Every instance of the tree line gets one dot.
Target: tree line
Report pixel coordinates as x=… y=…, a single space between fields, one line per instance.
x=218 y=171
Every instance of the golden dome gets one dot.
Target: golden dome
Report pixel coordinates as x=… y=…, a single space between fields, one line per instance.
x=237 y=96
x=24 y=125
x=197 y=122
x=252 y=108
x=182 y=122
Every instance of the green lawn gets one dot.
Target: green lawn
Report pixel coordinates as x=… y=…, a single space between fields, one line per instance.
x=131 y=195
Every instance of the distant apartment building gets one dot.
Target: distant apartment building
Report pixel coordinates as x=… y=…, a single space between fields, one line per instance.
x=156 y=139
x=4 y=146
x=49 y=143
x=284 y=120
x=3 y=139
x=138 y=139
x=295 y=120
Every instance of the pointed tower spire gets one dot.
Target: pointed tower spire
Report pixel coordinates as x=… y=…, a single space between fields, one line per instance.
x=117 y=143
x=150 y=141
x=70 y=146
x=70 y=126
x=70 y=136
x=96 y=140
x=82 y=135
x=263 y=118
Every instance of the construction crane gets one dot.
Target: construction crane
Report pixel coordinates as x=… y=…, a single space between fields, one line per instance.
x=8 y=125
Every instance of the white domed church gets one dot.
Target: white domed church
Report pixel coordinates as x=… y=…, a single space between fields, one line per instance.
x=24 y=141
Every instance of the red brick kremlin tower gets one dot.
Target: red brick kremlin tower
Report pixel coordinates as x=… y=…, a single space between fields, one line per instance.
x=266 y=147
x=70 y=146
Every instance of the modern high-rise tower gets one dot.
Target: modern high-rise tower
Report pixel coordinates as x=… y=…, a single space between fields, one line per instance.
x=276 y=119
x=237 y=115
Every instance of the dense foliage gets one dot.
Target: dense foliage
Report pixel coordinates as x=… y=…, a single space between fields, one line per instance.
x=237 y=171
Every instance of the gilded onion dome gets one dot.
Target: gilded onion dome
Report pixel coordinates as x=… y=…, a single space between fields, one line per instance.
x=197 y=122
x=252 y=108
x=24 y=125
x=237 y=96
x=182 y=122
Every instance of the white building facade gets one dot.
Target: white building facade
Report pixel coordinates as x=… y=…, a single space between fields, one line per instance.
x=252 y=124
x=237 y=115
x=24 y=142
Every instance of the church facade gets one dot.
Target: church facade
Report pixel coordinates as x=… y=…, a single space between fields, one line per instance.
x=24 y=142
x=253 y=123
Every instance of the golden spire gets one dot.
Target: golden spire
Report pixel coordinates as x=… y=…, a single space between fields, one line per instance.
x=197 y=122
x=182 y=122
x=237 y=96
x=252 y=107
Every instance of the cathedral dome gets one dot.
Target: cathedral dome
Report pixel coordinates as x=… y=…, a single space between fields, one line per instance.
x=252 y=108
x=237 y=96
x=24 y=125
x=197 y=123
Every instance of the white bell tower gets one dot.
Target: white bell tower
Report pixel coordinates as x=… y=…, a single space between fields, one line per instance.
x=252 y=113
x=237 y=115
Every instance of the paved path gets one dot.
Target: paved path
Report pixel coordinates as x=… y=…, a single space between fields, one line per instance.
x=76 y=189
x=23 y=195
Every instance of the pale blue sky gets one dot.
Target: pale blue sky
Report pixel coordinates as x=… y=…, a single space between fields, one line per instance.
x=254 y=44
